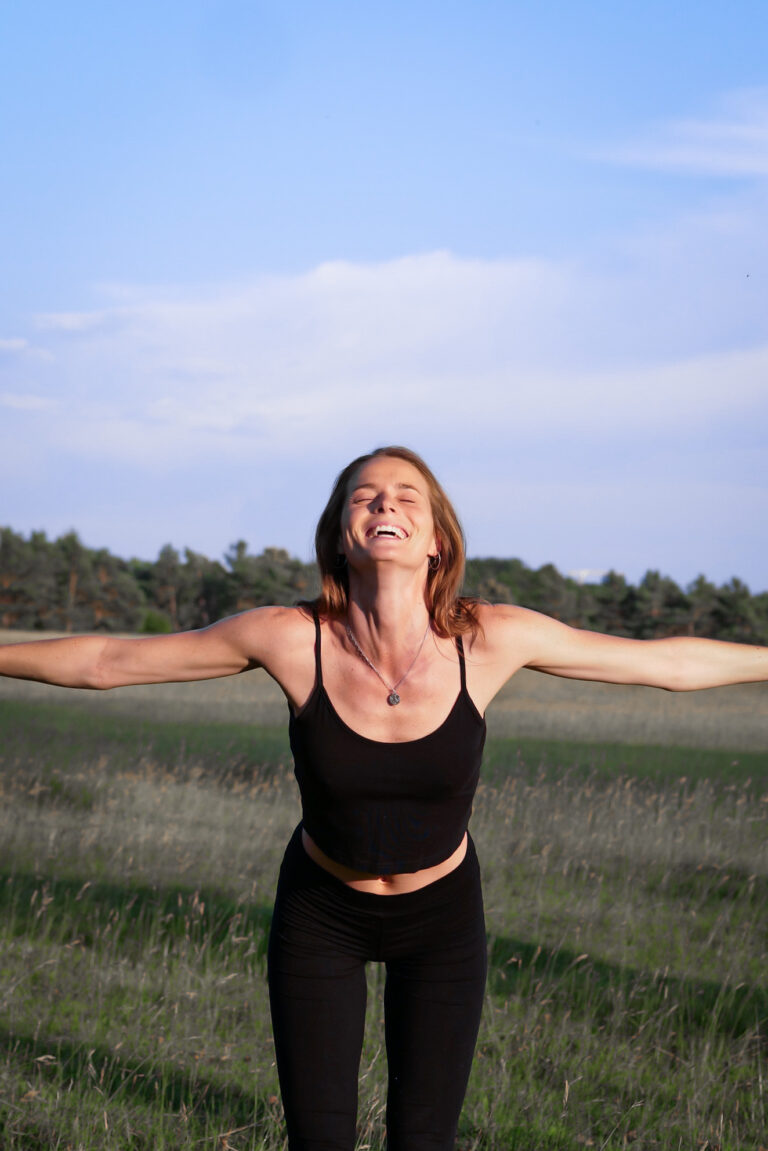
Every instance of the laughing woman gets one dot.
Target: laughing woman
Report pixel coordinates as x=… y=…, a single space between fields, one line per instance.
x=387 y=676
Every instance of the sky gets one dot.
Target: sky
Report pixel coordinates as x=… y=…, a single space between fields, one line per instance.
x=242 y=242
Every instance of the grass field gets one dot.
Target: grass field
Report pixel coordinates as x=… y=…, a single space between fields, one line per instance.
x=627 y=911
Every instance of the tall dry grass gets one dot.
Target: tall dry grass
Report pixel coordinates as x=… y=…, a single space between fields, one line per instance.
x=627 y=925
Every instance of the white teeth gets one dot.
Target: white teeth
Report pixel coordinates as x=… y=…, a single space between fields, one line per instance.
x=387 y=530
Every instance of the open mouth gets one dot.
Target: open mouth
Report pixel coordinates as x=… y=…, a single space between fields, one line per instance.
x=386 y=532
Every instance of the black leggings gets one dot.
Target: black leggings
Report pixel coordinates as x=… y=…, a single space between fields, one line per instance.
x=433 y=944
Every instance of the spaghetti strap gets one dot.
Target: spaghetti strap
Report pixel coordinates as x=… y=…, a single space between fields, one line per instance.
x=318 y=660
x=462 y=666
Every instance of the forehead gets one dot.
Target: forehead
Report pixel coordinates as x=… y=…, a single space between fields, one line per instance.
x=388 y=471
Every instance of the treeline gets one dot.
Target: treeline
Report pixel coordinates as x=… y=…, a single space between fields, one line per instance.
x=63 y=585
x=653 y=608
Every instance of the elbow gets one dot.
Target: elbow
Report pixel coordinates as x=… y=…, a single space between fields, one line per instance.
x=93 y=680
x=103 y=680
x=99 y=675
x=676 y=686
x=675 y=680
x=683 y=676
x=678 y=669
x=99 y=686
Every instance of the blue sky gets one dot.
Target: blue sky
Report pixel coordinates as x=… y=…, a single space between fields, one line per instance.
x=242 y=242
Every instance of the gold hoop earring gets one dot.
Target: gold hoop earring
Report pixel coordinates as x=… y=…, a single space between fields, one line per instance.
x=435 y=561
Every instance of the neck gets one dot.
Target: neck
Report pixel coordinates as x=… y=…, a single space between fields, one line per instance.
x=387 y=611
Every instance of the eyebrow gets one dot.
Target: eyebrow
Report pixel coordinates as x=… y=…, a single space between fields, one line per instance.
x=401 y=487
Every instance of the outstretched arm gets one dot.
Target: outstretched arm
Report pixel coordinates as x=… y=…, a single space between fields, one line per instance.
x=232 y=645
x=525 y=638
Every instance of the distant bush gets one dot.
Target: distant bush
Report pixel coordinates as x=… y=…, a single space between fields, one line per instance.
x=155 y=623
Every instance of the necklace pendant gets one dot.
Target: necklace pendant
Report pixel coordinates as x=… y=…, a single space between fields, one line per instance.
x=393 y=699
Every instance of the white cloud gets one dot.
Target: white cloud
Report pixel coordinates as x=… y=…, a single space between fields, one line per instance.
x=545 y=375
x=72 y=322
x=732 y=143
x=26 y=403
x=280 y=360
x=17 y=348
x=495 y=348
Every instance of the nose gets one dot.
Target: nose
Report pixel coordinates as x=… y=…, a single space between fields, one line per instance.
x=383 y=501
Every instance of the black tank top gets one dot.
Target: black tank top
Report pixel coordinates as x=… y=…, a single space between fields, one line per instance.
x=386 y=808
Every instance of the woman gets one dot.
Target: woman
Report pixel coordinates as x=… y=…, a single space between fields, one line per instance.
x=387 y=677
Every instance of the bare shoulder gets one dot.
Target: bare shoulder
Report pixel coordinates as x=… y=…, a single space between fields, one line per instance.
x=284 y=621
x=267 y=635
x=507 y=640
x=284 y=638
x=531 y=639
x=509 y=629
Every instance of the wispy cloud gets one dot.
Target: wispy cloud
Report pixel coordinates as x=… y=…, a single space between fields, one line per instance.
x=496 y=348
x=16 y=349
x=27 y=403
x=74 y=322
x=733 y=142
x=628 y=375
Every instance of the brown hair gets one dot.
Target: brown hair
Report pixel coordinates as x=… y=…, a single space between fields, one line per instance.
x=451 y=614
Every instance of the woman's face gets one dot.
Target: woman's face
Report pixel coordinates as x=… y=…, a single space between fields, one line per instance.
x=387 y=515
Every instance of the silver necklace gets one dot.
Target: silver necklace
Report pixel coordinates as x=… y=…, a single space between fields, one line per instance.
x=393 y=698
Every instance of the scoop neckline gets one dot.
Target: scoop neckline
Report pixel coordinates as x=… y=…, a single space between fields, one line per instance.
x=321 y=689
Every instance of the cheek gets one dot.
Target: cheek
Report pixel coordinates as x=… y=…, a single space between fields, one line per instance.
x=345 y=527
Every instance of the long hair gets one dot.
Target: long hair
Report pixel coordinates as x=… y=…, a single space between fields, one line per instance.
x=450 y=613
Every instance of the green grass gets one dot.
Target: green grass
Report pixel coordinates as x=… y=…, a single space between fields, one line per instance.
x=627 y=914
x=68 y=733
x=653 y=762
